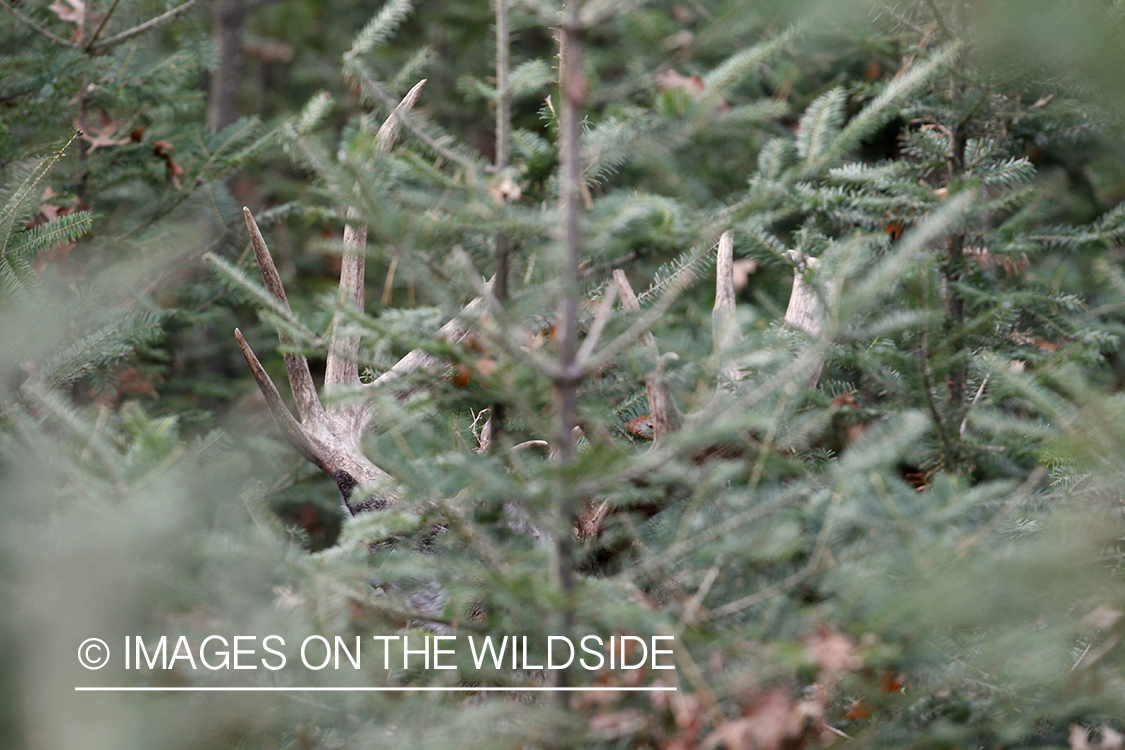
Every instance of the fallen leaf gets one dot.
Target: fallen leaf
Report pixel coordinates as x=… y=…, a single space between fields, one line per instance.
x=693 y=86
x=163 y=149
x=102 y=136
x=673 y=80
x=742 y=269
x=640 y=427
x=505 y=190
x=76 y=13
x=891 y=682
x=774 y=720
x=858 y=710
x=834 y=653
x=630 y=718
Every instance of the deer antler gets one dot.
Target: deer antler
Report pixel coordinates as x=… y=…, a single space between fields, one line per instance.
x=331 y=438
x=662 y=411
x=805 y=311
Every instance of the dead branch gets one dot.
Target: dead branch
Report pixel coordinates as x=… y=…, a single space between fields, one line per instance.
x=149 y=24
x=39 y=29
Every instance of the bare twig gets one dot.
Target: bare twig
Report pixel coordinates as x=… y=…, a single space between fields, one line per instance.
x=980 y=392
x=605 y=309
x=503 y=89
x=149 y=24
x=101 y=25
x=38 y=28
x=692 y=608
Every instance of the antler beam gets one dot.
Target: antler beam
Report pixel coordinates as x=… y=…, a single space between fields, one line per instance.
x=331 y=438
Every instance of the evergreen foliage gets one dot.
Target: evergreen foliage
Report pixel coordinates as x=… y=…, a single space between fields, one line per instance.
x=889 y=515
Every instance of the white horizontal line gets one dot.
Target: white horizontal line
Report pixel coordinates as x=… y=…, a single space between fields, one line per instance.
x=368 y=689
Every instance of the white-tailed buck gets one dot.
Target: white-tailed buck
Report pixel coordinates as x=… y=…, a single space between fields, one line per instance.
x=331 y=436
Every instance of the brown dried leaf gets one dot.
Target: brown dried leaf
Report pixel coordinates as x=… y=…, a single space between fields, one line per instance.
x=75 y=13
x=741 y=270
x=505 y=190
x=640 y=427
x=858 y=710
x=834 y=653
x=630 y=718
x=673 y=80
x=773 y=721
x=103 y=136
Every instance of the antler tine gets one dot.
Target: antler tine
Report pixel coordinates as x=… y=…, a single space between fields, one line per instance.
x=342 y=367
x=722 y=315
x=385 y=138
x=724 y=320
x=662 y=411
x=805 y=311
x=296 y=365
x=292 y=430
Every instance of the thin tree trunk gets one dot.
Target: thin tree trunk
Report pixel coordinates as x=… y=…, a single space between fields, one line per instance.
x=954 y=270
x=566 y=384
x=227 y=26
x=496 y=418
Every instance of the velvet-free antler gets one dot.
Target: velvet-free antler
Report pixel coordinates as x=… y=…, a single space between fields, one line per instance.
x=331 y=437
